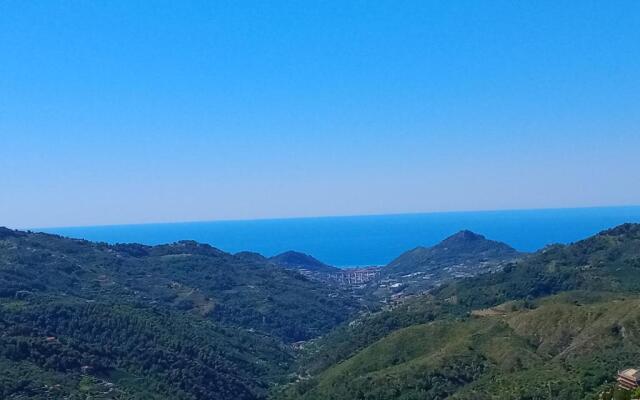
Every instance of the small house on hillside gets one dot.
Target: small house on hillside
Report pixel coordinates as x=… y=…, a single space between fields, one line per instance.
x=629 y=378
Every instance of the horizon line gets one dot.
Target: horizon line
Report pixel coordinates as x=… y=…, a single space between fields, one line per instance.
x=204 y=221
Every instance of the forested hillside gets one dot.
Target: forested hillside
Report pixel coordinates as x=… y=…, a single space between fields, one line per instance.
x=464 y=254
x=51 y=348
x=559 y=323
x=463 y=248
x=186 y=276
x=178 y=321
x=296 y=260
x=186 y=321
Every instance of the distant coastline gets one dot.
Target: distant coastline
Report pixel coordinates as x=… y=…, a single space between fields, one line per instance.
x=357 y=241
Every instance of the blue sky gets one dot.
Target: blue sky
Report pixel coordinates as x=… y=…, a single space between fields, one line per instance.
x=154 y=111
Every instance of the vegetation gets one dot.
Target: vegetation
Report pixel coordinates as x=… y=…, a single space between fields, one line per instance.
x=296 y=260
x=558 y=324
x=464 y=247
x=83 y=320
x=609 y=261
x=185 y=276
x=418 y=271
x=566 y=347
x=615 y=393
x=179 y=321
x=61 y=345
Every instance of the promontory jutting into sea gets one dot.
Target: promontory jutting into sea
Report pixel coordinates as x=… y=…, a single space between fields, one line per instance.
x=358 y=241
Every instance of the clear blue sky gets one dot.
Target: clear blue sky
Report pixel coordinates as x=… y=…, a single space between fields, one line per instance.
x=140 y=111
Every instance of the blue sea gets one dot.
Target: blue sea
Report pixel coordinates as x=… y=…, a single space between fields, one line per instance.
x=369 y=240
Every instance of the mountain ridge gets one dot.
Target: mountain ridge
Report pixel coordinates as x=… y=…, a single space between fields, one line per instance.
x=462 y=254
x=571 y=322
x=463 y=247
x=188 y=321
x=183 y=320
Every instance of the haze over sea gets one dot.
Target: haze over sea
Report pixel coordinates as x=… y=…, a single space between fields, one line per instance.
x=372 y=239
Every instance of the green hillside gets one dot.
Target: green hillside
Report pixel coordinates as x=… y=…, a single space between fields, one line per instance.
x=54 y=348
x=185 y=276
x=186 y=321
x=567 y=347
x=464 y=254
x=181 y=321
x=608 y=261
x=296 y=260
x=501 y=335
x=465 y=247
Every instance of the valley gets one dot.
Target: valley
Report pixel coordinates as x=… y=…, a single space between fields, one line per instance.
x=468 y=318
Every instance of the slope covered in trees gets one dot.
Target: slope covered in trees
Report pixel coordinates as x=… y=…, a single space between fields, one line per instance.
x=296 y=260
x=58 y=347
x=178 y=321
x=566 y=346
x=462 y=248
x=463 y=254
x=187 y=321
x=185 y=276
x=559 y=323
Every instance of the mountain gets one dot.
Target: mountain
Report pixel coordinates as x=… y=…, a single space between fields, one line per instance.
x=463 y=248
x=301 y=261
x=186 y=275
x=128 y=321
x=608 y=261
x=188 y=321
x=461 y=255
x=556 y=324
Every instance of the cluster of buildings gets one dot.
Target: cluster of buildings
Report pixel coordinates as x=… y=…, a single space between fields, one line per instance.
x=355 y=276
x=348 y=277
x=629 y=379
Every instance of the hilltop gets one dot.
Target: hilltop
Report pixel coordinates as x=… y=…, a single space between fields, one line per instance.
x=607 y=261
x=300 y=261
x=463 y=248
x=461 y=255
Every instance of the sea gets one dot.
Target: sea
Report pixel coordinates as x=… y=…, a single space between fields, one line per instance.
x=356 y=241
